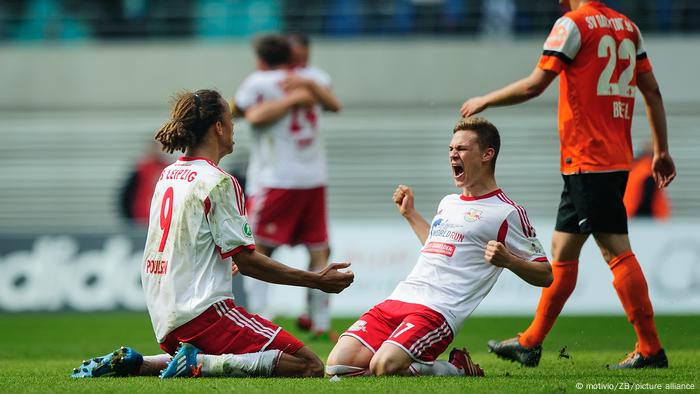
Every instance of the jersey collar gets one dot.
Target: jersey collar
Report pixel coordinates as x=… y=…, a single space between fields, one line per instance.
x=473 y=198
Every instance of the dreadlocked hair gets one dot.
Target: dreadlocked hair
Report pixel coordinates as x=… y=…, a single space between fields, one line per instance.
x=190 y=118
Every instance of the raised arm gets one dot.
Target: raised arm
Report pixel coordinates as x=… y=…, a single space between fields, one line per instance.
x=272 y=110
x=536 y=273
x=515 y=93
x=403 y=198
x=662 y=165
x=322 y=94
x=259 y=266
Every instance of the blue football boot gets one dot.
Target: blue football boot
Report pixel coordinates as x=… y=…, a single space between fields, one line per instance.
x=124 y=361
x=183 y=364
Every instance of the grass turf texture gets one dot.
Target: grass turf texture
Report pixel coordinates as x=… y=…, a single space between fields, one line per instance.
x=38 y=351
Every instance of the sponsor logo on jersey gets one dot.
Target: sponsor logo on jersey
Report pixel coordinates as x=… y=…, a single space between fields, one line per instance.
x=441 y=228
x=472 y=215
x=359 y=325
x=557 y=37
x=246 y=230
x=439 y=248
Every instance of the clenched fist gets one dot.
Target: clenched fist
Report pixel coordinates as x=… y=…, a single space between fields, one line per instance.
x=497 y=254
x=403 y=198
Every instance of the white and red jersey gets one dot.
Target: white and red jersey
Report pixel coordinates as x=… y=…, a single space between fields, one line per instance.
x=197 y=223
x=286 y=154
x=451 y=276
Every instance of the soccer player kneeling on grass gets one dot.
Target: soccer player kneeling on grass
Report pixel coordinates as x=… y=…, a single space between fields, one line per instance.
x=197 y=224
x=473 y=236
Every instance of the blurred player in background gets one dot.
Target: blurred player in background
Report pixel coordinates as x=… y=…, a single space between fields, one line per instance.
x=287 y=176
x=135 y=196
x=473 y=236
x=643 y=199
x=600 y=56
x=197 y=226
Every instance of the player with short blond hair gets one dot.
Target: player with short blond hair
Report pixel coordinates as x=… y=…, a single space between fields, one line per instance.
x=472 y=238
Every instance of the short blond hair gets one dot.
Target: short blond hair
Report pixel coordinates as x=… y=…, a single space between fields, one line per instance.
x=487 y=135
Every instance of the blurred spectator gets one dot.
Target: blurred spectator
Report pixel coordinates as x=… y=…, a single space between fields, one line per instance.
x=237 y=18
x=47 y=20
x=498 y=17
x=307 y=16
x=29 y=20
x=642 y=197
x=135 y=196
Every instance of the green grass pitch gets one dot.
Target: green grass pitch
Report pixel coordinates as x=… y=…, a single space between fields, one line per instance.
x=38 y=351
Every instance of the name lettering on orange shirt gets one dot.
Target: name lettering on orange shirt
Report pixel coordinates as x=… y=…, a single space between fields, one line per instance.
x=603 y=22
x=621 y=110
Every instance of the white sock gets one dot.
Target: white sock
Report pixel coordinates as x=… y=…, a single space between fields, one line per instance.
x=319 y=310
x=152 y=365
x=437 y=368
x=239 y=365
x=346 y=370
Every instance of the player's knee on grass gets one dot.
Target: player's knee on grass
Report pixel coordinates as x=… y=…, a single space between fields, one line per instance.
x=348 y=352
x=389 y=363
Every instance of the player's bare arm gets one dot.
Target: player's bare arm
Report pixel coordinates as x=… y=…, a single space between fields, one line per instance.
x=259 y=266
x=515 y=93
x=272 y=110
x=535 y=273
x=662 y=165
x=403 y=198
x=324 y=95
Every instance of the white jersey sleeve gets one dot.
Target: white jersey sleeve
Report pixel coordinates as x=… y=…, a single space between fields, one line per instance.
x=564 y=41
x=249 y=93
x=641 y=50
x=226 y=216
x=519 y=236
x=317 y=75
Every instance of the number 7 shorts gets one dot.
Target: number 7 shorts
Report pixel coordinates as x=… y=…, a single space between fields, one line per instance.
x=420 y=331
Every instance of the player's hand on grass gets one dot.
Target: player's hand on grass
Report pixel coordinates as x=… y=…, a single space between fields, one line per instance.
x=334 y=281
x=497 y=254
x=473 y=106
x=403 y=198
x=663 y=169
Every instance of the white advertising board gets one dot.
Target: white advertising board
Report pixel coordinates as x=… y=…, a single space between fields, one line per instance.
x=54 y=273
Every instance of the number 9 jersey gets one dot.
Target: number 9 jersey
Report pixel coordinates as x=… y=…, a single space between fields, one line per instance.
x=598 y=53
x=197 y=222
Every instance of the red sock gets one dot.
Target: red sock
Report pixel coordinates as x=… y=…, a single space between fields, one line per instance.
x=632 y=290
x=551 y=303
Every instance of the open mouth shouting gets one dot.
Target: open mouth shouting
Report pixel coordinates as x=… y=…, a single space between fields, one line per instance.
x=457 y=170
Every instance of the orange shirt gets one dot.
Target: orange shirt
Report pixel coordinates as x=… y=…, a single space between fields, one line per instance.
x=598 y=53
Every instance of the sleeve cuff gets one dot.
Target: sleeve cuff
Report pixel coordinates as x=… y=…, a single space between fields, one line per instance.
x=643 y=66
x=550 y=63
x=233 y=252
